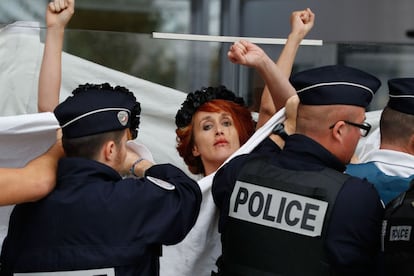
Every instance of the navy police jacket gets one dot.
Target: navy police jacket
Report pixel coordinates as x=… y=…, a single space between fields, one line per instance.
x=94 y=219
x=352 y=239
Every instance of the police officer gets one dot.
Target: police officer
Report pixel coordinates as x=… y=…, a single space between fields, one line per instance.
x=96 y=222
x=391 y=167
x=295 y=212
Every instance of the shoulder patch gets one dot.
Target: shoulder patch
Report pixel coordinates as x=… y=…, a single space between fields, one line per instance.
x=161 y=183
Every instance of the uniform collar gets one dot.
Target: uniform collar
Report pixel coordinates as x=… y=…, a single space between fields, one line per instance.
x=308 y=150
x=86 y=168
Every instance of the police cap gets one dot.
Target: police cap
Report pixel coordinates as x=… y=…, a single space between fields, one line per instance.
x=94 y=109
x=335 y=84
x=401 y=93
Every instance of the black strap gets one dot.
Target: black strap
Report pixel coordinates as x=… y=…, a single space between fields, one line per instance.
x=279 y=129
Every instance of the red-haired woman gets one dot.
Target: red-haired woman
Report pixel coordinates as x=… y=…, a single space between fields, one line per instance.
x=213 y=122
x=211 y=125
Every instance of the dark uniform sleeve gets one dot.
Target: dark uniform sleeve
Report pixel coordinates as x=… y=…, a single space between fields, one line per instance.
x=173 y=207
x=354 y=232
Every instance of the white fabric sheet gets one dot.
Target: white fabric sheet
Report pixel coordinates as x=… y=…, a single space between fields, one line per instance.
x=20 y=58
x=24 y=136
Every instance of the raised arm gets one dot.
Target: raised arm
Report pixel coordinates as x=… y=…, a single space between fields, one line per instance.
x=33 y=181
x=58 y=14
x=301 y=23
x=274 y=99
x=247 y=53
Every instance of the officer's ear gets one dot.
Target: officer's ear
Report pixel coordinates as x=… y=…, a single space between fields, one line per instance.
x=109 y=151
x=338 y=130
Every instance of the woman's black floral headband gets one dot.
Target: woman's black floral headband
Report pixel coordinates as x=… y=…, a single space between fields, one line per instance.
x=199 y=97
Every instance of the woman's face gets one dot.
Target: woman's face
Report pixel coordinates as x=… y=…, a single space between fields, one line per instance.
x=215 y=138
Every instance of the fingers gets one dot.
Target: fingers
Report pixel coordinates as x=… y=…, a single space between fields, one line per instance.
x=306 y=16
x=246 y=53
x=237 y=50
x=291 y=113
x=58 y=5
x=59 y=13
x=71 y=5
x=58 y=134
x=302 y=22
x=292 y=106
x=240 y=46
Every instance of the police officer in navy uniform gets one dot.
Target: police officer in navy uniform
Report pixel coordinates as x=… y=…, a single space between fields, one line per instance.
x=96 y=222
x=296 y=212
x=391 y=167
